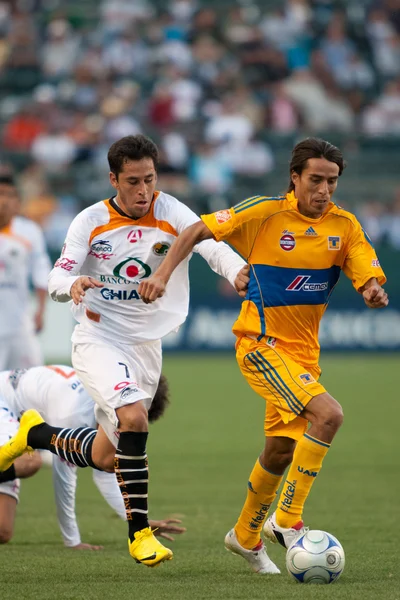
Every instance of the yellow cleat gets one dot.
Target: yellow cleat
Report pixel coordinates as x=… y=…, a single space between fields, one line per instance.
x=18 y=444
x=147 y=550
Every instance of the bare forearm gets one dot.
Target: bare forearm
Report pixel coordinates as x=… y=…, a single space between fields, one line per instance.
x=41 y=296
x=182 y=247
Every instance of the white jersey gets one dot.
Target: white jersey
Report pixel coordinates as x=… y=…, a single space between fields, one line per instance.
x=23 y=259
x=104 y=243
x=59 y=396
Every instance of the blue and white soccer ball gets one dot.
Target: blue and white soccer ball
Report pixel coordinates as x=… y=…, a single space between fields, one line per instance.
x=315 y=557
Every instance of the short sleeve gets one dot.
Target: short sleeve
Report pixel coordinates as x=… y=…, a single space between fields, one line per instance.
x=361 y=262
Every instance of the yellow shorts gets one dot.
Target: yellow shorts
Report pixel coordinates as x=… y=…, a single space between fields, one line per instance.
x=286 y=386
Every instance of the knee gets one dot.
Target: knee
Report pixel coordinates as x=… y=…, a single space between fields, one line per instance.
x=5 y=535
x=277 y=461
x=332 y=418
x=106 y=463
x=133 y=417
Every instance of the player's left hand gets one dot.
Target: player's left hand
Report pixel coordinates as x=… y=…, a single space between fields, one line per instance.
x=39 y=321
x=83 y=546
x=375 y=296
x=242 y=281
x=152 y=288
x=165 y=527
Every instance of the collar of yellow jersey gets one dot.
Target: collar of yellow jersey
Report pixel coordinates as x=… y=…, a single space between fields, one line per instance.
x=293 y=201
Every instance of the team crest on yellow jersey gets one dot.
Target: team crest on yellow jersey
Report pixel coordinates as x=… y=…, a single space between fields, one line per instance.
x=334 y=242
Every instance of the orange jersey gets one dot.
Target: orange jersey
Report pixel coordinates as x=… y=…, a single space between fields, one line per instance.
x=295 y=264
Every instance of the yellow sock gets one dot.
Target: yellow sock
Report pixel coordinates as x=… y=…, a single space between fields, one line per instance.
x=307 y=462
x=261 y=493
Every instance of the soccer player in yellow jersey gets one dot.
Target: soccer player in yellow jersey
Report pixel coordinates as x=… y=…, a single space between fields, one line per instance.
x=296 y=246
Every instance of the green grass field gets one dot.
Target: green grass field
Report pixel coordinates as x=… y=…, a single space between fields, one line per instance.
x=200 y=455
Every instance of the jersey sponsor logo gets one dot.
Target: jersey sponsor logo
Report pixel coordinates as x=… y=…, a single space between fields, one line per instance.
x=311 y=231
x=116 y=280
x=15 y=376
x=375 y=262
x=101 y=249
x=65 y=263
x=134 y=236
x=128 y=391
x=334 y=242
x=300 y=283
x=306 y=378
x=109 y=294
x=132 y=267
x=287 y=241
x=161 y=248
x=222 y=216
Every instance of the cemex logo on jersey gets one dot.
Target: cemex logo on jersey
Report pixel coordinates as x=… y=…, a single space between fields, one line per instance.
x=101 y=249
x=135 y=235
x=287 y=241
x=300 y=284
x=65 y=263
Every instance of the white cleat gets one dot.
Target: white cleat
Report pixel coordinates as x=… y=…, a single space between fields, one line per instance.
x=284 y=536
x=257 y=558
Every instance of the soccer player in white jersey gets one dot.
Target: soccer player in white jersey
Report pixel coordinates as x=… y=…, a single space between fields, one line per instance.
x=23 y=259
x=110 y=248
x=57 y=394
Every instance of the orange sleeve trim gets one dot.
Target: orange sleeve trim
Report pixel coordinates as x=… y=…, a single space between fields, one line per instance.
x=8 y=232
x=116 y=220
x=61 y=372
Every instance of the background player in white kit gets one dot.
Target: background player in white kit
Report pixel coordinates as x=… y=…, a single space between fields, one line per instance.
x=110 y=247
x=57 y=394
x=23 y=259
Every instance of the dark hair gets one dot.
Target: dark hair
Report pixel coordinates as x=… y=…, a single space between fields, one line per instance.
x=7 y=180
x=313 y=148
x=160 y=400
x=131 y=147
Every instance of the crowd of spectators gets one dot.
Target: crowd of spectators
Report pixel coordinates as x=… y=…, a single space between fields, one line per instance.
x=217 y=84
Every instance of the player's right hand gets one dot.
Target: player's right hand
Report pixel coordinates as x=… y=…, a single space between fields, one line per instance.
x=80 y=286
x=82 y=546
x=152 y=288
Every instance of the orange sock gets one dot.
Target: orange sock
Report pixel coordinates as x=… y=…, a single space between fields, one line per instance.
x=262 y=487
x=307 y=462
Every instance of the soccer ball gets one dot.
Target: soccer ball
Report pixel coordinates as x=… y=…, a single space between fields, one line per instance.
x=315 y=557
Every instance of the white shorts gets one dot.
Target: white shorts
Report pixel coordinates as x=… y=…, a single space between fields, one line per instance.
x=117 y=376
x=20 y=352
x=8 y=427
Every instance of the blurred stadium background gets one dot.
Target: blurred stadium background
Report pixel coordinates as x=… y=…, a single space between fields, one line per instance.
x=225 y=88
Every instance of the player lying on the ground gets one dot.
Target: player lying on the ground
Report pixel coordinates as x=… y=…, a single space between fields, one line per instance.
x=296 y=246
x=59 y=396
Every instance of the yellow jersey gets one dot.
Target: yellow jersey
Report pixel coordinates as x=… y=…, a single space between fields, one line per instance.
x=295 y=264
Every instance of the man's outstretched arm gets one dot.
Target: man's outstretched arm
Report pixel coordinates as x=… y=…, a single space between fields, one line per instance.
x=154 y=287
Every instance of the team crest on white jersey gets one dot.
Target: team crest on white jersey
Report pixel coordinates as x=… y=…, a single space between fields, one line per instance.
x=161 y=248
